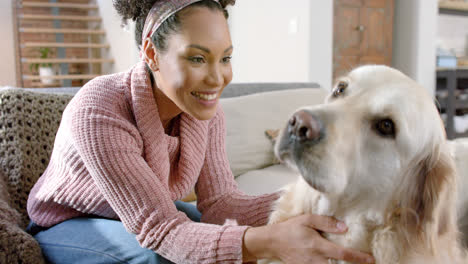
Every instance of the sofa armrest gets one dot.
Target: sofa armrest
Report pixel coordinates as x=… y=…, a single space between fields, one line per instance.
x=240 y=89
x=28 y=126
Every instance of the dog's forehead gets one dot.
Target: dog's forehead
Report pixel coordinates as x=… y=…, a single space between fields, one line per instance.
x=384 y=85
x=377 y=76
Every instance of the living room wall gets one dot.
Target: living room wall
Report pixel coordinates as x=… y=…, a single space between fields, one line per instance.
x=123 y=47
x=277 y=41
x=7 y=46
x=285 y=42
x=414 y=40
x=274 y=41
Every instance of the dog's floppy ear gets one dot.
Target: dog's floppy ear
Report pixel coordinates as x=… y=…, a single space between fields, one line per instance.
x=428 y=198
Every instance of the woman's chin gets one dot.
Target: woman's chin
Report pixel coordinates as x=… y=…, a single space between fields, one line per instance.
x=205 y=114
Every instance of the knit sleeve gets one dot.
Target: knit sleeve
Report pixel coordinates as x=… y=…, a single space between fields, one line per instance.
x=217 y=193
x=111 y=149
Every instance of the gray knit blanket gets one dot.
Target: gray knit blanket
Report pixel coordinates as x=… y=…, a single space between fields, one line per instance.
x=28 y=124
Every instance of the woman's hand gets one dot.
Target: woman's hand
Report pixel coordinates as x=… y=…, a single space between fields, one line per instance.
x=297 y=241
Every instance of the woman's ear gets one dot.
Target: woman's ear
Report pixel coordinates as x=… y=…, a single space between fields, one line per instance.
x=150 y=55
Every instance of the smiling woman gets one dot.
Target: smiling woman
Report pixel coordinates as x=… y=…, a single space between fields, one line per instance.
x=132 y=144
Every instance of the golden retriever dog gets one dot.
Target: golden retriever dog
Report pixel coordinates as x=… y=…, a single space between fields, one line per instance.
x=375 y=156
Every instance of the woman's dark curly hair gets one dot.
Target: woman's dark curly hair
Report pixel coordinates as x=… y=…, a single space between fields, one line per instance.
x=137 y=10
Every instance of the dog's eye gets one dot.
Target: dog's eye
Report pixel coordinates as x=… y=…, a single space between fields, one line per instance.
x=385 y=127
x=340 y=88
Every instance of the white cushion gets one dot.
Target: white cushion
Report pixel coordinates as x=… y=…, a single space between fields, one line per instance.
x=247 y=118
x=267 y=180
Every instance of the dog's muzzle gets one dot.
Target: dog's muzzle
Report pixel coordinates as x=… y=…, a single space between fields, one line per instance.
x=303 y=126
x=304 y=130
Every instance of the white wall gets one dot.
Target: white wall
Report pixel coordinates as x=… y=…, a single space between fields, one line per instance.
x=123 y=48
x=7 y=46
x=266 y=47
x=321 y=43
x=414 y=40
x=276 y=41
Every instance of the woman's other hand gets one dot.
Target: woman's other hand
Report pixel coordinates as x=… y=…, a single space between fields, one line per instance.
x=298 y=241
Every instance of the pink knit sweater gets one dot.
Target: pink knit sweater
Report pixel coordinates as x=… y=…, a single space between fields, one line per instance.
x=112 y=158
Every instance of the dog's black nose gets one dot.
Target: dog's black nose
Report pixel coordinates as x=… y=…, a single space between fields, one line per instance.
x=304 y=126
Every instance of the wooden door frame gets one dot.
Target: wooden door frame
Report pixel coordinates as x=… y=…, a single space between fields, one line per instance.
x=18 y=64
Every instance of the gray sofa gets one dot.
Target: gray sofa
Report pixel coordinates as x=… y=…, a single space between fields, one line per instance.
x=30 y=119
x=232 y=90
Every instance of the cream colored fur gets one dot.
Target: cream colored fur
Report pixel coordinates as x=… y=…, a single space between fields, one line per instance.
x=396 y=194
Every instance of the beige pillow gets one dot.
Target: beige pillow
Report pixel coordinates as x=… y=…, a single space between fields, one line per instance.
x=248 y=117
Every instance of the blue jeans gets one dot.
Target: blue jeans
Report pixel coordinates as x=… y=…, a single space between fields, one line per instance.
x=97 y=240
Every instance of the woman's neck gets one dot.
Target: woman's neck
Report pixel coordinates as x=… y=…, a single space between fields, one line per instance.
x=167 y=109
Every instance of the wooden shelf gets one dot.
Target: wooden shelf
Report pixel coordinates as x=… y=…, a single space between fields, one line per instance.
x=452 y=69
x=463 y=62
x=453 y=8
x=62 y=77
x=38 y=84
x=66 y=60
x=450 y=97
x=453 y=5
x=64 y=45
x=59 y=5
x=459 y=103
x=52 y=17
x=464 y=134
x=63 y=31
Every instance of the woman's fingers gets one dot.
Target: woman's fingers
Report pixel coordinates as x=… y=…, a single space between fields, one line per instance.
x=333 y=251
x=324 y=223
x=330 y=250
x=297 y=241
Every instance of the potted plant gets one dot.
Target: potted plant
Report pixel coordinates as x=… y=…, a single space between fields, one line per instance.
x=45 y=69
